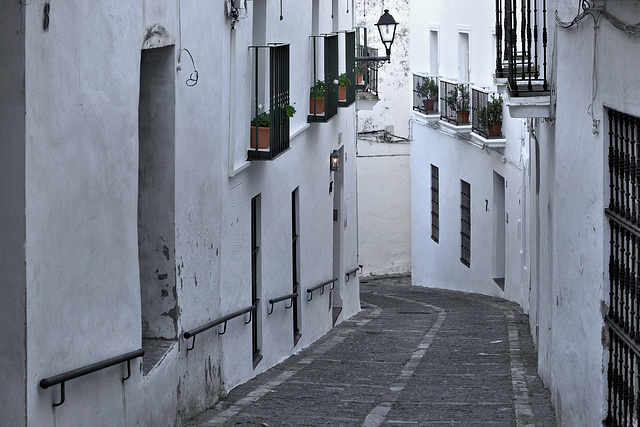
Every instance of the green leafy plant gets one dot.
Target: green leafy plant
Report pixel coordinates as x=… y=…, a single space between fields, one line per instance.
x=263 y=118
x=317 y=90
x=458 y=99
x=494 y=110
x=428 y=89
x=342 y=79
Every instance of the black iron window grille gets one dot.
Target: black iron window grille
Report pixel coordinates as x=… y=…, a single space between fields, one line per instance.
x=521 y=28
x=323 y=97
x=435 y=204
x=486 y=113
x=425 y=94
x=465 y=223
x=623 y=318
x=347 y=80
x=271 y=105
x=455 y=102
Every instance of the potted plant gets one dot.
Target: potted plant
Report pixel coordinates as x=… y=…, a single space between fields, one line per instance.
x=458 y=100
x=428 y=90
x=342 y=86
x=262 y=123
x=494 y=116
x=316 y=105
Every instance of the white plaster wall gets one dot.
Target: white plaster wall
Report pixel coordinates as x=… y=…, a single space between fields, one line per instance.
x=438 y=264
x=394 y=84
x=384 y=202
x=12 y=217
x=81 y=208
x=575 y=161
x=472 y=16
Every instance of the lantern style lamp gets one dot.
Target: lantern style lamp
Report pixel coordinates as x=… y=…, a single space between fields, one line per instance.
x=387 y=29
x=335 y=161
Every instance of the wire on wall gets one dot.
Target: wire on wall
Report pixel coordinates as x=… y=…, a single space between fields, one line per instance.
x=193 y=77
x=281 y=17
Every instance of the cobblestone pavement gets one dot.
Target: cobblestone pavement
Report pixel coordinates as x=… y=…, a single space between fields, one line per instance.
x=412 y=356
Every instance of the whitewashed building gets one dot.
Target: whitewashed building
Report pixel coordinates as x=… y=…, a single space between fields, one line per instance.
x=384 y=110
x=135 y=215
x=547 y=216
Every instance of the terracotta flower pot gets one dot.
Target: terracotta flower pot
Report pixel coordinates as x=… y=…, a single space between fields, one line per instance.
x=342 y=93
x=263 y=137
x=358 y=78
x=495 y=129
x=319 y=106
x=428 y=104
x=463 y=117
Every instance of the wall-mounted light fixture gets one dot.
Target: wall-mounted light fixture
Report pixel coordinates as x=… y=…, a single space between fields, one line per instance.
x=335 y=160
x=387 y=29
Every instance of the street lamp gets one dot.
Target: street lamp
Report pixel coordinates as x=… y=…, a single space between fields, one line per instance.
x=387 y=29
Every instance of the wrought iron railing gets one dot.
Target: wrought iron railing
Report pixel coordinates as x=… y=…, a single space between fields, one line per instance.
x=486 y=113
x=222 y=320
x=623 y=318
x=323 y=97
x=69 y=375
x=366 y=76
x=521 y=27
x=455 y=102
x=425 y=93
x=321 y=286
x=267 y=142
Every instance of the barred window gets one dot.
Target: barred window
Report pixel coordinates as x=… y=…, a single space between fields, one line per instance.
x=623 y=318
x=465 y=223
x=435 y=204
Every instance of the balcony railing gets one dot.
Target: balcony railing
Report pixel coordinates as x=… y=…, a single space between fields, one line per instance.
x=269 y=118
x=455 y=102
x=521 y=27
x=366 y=77
x=425 y=94
x=486 y=113
x=323 y=97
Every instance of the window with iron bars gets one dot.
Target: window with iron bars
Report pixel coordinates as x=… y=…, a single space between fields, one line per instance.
x=270 y=121
x=435 y=204
x=623 y=318
x=323 y=103
x=465 y=223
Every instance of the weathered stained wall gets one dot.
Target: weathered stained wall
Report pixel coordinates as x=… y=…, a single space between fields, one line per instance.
x=394 y=84
x=12 y=215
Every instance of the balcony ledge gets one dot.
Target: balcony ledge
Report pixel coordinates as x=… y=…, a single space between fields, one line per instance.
x=526 y=107
x=456 y=128
x=489 y=142
x=428 y=117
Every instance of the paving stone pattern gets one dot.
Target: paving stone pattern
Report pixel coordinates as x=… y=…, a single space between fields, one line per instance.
x=412 y=356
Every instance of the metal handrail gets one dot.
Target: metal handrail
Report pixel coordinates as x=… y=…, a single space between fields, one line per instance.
x=69 y=375
x=282 y=298
x=321 y=285
x=219 y=321
x=353 y=271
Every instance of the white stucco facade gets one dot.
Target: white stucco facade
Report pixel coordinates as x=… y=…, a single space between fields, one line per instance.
x=384 y=181
x=78 y=153
x=556 y=233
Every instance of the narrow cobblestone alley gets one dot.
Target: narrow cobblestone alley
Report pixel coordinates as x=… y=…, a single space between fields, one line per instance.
x=412 y=356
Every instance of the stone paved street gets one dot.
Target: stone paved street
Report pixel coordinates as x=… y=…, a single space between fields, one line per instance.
x=412 y=356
